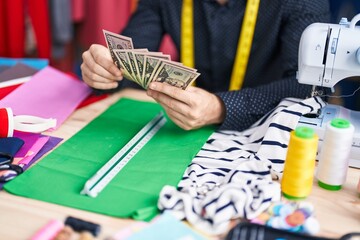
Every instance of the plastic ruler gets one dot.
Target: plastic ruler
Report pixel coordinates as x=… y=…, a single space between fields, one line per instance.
x=106 y=173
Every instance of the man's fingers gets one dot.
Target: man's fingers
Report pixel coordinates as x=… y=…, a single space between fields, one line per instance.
x=180 y=120
x=99 y=69
x=102 y=57
x=96 y=81
x=168 y=102
x=174 y=92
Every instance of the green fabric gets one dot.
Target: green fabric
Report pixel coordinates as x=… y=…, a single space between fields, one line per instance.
x=134 y=192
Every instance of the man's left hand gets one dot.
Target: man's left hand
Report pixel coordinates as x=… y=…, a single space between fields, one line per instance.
x=189 y=109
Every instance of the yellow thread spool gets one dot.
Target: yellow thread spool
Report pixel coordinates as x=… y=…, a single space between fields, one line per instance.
x=299 y=165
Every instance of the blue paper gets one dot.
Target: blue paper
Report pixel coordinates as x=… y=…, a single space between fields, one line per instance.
x=37 y=63
x=166 y=227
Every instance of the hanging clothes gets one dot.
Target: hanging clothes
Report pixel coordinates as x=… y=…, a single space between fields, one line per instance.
x=93 y=16
x=13 y=15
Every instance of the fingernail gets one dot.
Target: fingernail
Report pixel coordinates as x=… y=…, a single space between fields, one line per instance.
x=152 y=86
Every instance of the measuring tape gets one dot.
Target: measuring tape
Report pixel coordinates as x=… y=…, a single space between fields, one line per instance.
x=244 y=44
x=187 y=34
x=107 y=172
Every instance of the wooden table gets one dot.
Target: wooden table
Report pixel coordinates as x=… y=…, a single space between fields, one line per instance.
x=338 y=212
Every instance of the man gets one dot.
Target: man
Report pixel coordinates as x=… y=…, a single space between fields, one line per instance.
x=270 y=73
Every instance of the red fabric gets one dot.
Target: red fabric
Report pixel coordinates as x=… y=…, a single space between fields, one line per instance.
x=15 y=20
x=3 y=43
x=168 y=47
x=91 y=99
x=12 y=27
x=111 y=15
x=6 y=90
x=39 y=14
x=4 y=123
x=78 y=10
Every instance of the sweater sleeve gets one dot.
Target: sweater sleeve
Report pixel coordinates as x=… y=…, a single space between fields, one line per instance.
x=245 y=107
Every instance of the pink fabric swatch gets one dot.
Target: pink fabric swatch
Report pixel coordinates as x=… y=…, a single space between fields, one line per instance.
x=29 y=140
x=33 y=143
x=49 y=94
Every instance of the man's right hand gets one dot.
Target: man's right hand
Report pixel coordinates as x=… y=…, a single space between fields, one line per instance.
x=98 y=69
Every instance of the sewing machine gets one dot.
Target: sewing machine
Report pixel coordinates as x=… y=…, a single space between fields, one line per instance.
x=329 y=53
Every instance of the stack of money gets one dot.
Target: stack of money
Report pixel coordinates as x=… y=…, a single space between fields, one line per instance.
x=143 y=67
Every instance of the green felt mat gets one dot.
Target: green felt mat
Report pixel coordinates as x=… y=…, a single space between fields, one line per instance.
x=133 y=193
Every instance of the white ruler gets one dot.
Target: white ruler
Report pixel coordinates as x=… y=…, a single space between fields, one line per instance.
x=107 y=172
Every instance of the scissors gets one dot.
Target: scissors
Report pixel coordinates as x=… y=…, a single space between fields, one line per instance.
x=6 y=161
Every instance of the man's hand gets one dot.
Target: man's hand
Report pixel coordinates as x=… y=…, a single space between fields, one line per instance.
x=189 y=109
x=98 y=69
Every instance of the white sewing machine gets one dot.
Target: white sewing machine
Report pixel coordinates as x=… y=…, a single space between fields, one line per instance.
x=329 y=53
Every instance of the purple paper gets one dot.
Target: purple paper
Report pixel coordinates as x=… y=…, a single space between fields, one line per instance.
x=49 y=145
x=29 y=140
x=53 y=142
x=49 y=94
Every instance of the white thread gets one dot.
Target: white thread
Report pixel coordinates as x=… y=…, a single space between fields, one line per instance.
x=26 y=123
x=334 y=155
x=33 y=124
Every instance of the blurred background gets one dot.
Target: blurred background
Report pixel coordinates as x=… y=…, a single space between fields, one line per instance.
x=60 y=30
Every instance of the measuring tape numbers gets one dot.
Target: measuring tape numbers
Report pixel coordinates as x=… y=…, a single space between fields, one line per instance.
x=107 y=172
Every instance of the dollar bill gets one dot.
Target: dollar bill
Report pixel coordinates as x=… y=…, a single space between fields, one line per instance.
x=150 y=67
x=117 y=41
x=139 y=59
x=142 y=66
x=133 y=66
x=124 y=63
x=175 y=75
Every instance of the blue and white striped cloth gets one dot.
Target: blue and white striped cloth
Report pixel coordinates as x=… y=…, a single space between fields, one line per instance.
x=232 y=175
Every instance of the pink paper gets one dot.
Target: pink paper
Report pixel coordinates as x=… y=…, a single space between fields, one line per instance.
x=49 y=94
x=29 y=140
x=39 y=144
x=33 y=143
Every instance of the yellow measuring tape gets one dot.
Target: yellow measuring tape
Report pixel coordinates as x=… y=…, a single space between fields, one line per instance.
x=244 y=45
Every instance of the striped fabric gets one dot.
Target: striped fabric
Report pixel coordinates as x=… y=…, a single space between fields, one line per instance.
x=232 y=175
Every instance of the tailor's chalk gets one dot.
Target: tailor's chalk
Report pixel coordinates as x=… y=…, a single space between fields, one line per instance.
x=66 y=233
x=86 y=236
x=80 y=225
x=49 y=231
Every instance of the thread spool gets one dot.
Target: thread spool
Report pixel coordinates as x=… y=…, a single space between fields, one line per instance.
x=334 y=155
x=6 y=123
x=80 y=225
x=24 y=123
x=299 y=164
